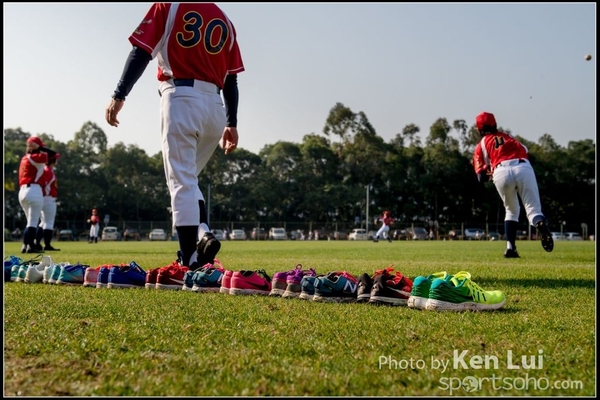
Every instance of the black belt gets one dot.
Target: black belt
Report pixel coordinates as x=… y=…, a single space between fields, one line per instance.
x=521 y=161
x=29 y=184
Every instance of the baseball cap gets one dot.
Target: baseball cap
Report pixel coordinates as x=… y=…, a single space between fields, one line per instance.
x=35 y=139
x=54 y=157
x=485 y=118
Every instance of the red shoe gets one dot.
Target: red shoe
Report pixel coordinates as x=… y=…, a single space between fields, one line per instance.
x=151 y=278
x=250 y=282
x=171 y=277
x=226 y=282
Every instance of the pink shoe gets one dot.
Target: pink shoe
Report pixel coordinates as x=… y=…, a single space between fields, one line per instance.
x=171 y=277
x=250 y=282
x=91 y=276
x=226 y=282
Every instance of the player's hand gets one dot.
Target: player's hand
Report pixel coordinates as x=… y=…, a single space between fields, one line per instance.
x=112 y=110
x=229 y=140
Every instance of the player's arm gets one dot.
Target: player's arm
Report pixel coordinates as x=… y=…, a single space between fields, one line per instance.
x=231 y=98
x=135 y=65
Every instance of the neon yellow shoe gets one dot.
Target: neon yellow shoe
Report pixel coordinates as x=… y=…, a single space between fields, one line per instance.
x=460 y=293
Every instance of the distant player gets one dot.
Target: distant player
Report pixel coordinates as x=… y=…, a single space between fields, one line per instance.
x=94 y=222
x=198 y=56
x=504 y=160
x=384 y=231
x=50 y=189
x=31 y=197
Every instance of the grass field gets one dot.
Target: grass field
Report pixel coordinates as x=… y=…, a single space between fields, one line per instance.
x=78 y=341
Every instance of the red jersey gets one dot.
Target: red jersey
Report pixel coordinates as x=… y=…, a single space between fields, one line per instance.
x=50 y=187
x=388 y=221
x=495 y=148
x=31 y=169
x=94 y=219
x=191 y=40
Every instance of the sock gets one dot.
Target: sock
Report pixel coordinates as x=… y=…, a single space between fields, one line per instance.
x=537 y=219
x=203 y=228
x=187 y=236
x=29 y=235
x=47 y=237
x=510 y=228
x=39 y=234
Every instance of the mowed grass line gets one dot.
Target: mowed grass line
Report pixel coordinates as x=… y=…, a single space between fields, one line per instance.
x=77 y=341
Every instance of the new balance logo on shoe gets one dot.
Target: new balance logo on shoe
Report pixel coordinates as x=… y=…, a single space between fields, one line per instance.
x=350 y=287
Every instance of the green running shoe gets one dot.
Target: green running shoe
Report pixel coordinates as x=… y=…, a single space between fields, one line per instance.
x=460 y=293
x=420 y=290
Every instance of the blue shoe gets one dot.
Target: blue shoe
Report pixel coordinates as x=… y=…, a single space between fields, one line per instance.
x=102 y=282
x=307 y=287
x=72 y=274
x=126 y=276
x=188 y=281
x=208 y=279
x=9 y=262
x=55 y=272
x=339 y=286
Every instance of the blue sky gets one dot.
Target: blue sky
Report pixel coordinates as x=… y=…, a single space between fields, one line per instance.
x=399 y=63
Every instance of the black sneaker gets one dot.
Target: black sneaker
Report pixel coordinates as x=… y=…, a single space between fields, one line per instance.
x=24 y=249
x=547 y=241
x=50 y=248
x=510 y=253
x=365 y=283
x=207 y=249
x=393 y=289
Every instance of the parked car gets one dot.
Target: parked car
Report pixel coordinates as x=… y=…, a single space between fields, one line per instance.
x=132 y=234
x=573 y=236
x=296 y=235
x=277 y=234
x=157 y=234
x=218 y=234
x=110 y=233
x=65 y=234
x=259 y=234
x=558 y=236
x=237 y=234
x=399 y=234
x=417 y=233
x=358 y=234
x=474 y=234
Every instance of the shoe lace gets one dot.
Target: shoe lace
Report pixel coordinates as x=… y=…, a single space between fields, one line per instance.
x=264 y=274
x=349 y=276
x=475 y=290
x=388 y=270
x=32 y=260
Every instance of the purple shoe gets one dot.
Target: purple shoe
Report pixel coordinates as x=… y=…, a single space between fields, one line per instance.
x=279 y=283
x=294 y=282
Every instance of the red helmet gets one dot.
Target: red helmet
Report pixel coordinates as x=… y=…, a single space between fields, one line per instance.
x=35 y=139
x=485 y=119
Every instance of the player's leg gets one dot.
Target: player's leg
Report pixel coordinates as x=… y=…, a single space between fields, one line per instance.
x=48 y=225
x=31 y=199
x=506 y=187
x=530 y=195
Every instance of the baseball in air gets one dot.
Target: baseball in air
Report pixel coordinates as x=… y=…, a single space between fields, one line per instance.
x=588 y=57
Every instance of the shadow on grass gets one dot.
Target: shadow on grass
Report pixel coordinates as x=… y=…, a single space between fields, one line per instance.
x=544 y=283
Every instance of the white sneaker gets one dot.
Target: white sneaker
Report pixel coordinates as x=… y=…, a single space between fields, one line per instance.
x=48 y=268
x=34 y=273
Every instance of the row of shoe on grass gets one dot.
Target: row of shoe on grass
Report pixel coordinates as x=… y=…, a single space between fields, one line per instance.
x=438 y=291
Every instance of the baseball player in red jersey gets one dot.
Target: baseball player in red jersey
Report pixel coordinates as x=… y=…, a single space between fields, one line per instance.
x=386 y=222
x=198 y=57
x=31 y=197
x=94 y=222
x=504 y=160
x=50 y=190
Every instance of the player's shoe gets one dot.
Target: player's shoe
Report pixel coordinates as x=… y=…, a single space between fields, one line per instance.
x=391 y=287
x=35 y=273
x=250 y=282
x=8 y=266
x=293 y=287
x=544 y=231
x=55 y=272
x=226 y=282
x=365 y=284
x=460 y=293
x=419 y=295
x=50 y=248
x=337 y=286
x=171 y=277
x=279 y=282
x=510 y=253
x=90 y=278
x=102 y=279
x=127 y=276
x=207 y=249
x=208 y=278
x=72 y=274
x=307 y=287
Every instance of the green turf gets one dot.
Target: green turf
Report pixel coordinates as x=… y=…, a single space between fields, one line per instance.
x=77 y=341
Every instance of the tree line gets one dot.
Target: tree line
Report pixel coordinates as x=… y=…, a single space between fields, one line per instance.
x=324 y=179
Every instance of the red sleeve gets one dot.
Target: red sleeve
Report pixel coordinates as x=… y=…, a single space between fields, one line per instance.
x=478 y=161
x=150 y=31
